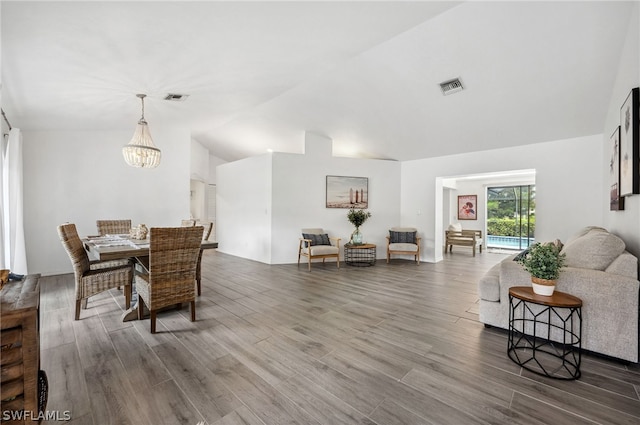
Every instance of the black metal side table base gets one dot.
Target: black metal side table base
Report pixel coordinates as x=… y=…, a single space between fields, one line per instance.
x=545 y=337
x=360 y=255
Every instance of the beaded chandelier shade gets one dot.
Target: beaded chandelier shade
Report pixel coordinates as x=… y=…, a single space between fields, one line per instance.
x=141 y=152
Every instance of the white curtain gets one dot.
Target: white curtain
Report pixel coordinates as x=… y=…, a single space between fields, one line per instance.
x=14 y=254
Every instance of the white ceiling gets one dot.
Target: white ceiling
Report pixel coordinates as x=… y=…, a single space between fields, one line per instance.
x=366 y=74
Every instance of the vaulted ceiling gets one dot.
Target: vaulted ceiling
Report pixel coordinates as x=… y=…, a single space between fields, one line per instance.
x=366 y=74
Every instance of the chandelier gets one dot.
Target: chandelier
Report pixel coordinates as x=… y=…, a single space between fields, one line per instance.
x=141 y=152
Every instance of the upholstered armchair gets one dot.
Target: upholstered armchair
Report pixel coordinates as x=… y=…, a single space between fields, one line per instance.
x=456 y=235
x=316 y=244
x=403 y=241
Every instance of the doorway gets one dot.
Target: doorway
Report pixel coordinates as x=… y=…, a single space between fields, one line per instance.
x=511 y=217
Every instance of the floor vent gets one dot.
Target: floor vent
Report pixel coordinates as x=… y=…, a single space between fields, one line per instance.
x=451 y=86
x=176 y=97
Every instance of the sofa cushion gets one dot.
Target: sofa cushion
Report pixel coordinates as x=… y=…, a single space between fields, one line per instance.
x=489 y=284
x=402 y=237
x=580 y=233
x=412 y=247
x=625 y=265
x=322 y=250
x=595 y=250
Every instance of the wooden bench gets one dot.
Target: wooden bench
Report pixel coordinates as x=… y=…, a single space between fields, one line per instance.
x=470 y=238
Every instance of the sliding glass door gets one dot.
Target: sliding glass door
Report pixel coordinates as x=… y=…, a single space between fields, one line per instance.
x=511 y=216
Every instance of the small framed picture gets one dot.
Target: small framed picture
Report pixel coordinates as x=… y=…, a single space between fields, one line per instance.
x=467 y=207
x=616 y=202
x=630 y=145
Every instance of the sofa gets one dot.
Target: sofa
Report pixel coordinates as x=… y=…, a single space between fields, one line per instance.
x=600 y=271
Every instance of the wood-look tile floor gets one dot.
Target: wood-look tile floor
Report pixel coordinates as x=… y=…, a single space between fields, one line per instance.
x=388 y=344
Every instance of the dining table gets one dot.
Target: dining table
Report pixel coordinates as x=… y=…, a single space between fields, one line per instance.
x=118 y=247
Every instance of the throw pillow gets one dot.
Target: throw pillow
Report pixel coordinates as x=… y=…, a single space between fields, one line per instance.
x=402 y=237
x=558 y=244
x=521 y=255
x=316 y=239
x=595 y=250
x=456 y=227
x=580 y=233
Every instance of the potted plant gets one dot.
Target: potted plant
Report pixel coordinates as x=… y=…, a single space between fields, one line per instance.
x=357 y=218
x=544 y=262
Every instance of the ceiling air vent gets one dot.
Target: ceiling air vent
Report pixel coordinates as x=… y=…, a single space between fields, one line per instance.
x=451 y=86
x=176 y=97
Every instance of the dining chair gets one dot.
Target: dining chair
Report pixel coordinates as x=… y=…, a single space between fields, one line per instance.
x=207 y=229
x=188 y=223
x=91 y=281
x=206 y=233
x=169 y=279
x=113 y=227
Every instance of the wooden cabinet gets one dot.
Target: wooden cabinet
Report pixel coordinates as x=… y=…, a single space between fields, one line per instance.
x=20 y=349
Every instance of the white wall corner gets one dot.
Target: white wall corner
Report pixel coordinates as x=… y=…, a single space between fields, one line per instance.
x=317 y=145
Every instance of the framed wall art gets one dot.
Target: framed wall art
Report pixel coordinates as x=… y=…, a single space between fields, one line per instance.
x=616 y=202
x=468 y=207
x=630 y=145
x=347 y=192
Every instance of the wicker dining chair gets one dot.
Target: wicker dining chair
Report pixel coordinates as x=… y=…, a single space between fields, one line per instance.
x=113 y=227
x=206 y=233
x=91 y=281
x=169 y=280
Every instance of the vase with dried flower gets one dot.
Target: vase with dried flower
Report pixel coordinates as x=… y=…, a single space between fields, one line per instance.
x=357 y=218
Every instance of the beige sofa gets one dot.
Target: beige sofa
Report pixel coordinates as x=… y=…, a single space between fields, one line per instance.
x=600 y=272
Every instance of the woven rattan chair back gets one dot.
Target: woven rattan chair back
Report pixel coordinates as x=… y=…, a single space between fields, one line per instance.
x=173 y=256
x=113 y=227
x=75 y=249
x=89 y=280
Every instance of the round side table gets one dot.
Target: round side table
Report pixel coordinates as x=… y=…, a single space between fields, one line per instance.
x=360 y=255
x=545 y=332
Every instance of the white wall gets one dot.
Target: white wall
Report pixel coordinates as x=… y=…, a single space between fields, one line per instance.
x=198 y=208
x=199 y=162
x=200 y=177
x=625 y=223
x=301 y=202
x=214 y=161
x=467 y=187
x=81 y=176
x=298 y=200
x=568 y=174
x=243 y=203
